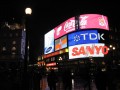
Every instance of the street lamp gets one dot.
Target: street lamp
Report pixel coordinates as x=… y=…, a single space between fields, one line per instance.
x=113 y=48
x=110 y=46
x=28 y=11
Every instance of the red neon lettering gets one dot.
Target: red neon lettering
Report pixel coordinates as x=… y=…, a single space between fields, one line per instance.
x=105 y=50
x=90 y=49
x=82 y=51
x=98 y=49
x=75 y=52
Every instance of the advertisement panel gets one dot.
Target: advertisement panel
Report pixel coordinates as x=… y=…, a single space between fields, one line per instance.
x=49 y=42
x=88 y=21
x=84 y=37
x=23 y=43
x=51 y=64
x=88 y=50
x=65 y=27
x=61 y=43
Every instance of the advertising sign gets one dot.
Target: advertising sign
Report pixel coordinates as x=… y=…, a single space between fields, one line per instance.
x=88 y=21
x=51 y=64
x=23 y=43
x=65 y=27
x=49 y=42
x=84 y=37
x=61 y=43
x=88 y=50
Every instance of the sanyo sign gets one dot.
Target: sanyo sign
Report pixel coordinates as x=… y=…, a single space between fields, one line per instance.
x=87 y=50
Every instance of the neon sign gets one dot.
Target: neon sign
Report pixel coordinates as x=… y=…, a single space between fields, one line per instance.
x=65 y=27
x=49 y=42
x=61 y=43
x=84 y=37
x=93 y=21
x=51 y=64
x=86 y=50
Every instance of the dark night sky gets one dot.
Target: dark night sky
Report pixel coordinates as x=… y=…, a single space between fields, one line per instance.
x=47 y=14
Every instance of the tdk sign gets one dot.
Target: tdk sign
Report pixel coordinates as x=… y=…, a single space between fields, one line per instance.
x=84 y=37
x=92 y=36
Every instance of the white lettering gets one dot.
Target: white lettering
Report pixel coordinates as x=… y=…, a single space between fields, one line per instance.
x=69 y=26
x=91 y=36
x=101 y=36
x=83 y=21
x=58 y=30
x=84 y=36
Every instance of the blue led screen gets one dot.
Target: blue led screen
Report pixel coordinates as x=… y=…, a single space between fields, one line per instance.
x=83 y=37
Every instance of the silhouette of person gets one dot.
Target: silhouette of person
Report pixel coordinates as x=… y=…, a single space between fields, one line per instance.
x=67 y=80
x=52 y=80
x=101 y=79
x=37 y=78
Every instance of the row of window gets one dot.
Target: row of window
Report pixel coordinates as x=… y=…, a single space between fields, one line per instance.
x=57 y=58
x=9 y=50
x=11 y=33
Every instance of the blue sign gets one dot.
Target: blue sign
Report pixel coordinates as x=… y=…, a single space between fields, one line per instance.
x=84 y=37
x=49 y=42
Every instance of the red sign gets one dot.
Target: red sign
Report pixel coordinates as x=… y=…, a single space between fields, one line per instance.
x=51 y=64
x=54 y=53
x=65 y=27
x=87 y=21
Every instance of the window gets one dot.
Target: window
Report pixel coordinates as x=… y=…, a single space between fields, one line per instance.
x=13 y=53
x=14 y=42
x=4 y=48
x=14 y=48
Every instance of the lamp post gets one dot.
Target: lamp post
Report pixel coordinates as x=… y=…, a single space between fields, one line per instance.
x=28 y=12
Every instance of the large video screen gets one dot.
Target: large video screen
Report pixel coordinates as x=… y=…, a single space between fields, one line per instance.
x=88 y=21
x=61 y=43
x=65 y=27
x=87 y=50
x=83 y=37
x=49 y=42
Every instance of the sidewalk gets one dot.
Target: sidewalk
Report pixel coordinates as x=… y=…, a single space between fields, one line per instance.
x=44 y=85
x=75 y=85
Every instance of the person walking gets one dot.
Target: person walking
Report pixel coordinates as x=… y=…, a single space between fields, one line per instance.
x=67 y=80
x=37 y=78
x=52 y=80
x=101 y=79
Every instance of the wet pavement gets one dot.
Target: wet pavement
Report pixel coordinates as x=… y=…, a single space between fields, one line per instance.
x=75 y=85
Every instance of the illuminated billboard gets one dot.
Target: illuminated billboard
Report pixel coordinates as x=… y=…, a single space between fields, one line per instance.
x=49 y=42
x=84 y=37
x=88 y=50
x=51 y=64
x=65 y=27
x=88 y=21
x=61 y=43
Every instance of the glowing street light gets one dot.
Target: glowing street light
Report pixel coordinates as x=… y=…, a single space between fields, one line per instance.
x=110 y=46
x=113 y=48
x=28 y=11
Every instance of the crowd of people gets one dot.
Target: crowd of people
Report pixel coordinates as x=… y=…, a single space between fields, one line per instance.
x=66 y=78
x=104 y=79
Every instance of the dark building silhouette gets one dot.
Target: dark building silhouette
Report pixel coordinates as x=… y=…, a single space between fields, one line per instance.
x=12 y=53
